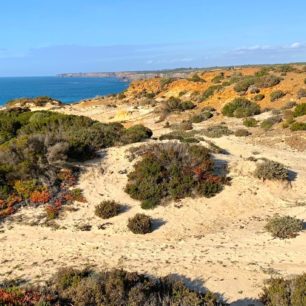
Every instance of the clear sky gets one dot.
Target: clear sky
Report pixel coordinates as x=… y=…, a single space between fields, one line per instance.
x=46 y=37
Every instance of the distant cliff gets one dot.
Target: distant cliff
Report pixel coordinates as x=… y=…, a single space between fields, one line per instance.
x=130 y=75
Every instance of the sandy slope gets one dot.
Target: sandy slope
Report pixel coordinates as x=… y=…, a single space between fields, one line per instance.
x=217 y=243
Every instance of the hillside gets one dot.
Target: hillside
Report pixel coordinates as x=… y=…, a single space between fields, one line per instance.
x=227 y=153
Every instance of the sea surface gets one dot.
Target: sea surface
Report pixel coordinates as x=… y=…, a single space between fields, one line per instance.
x=67 y=90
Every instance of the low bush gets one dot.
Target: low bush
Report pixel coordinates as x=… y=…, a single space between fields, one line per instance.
x=242 y=133
x=210 y=91
x=136 y=133
x=298 y=126
x=275 y=95
x=301 y=93
x=107 y=209
x=111 y=287
x=140 y=224
x=271 y=170
x=300 y=110
x=244 y=84
x=289 y=105
x=284 y=227
x=267 y=81
x=173 y=171
x=36 y=147
x=164 y=82
x=218 y=78
x=240 y=107
x=284 y=292
x=258 y=97
x=269 y=122
x=182 y=136
x=203 y=116
x=217 y=131
x=196 y=78
x=250 y=122
x=176 y=104
x=185 y=125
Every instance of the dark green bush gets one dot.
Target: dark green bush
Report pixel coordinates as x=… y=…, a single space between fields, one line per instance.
x=284 y=227
x=271 y=170
x=259 y=97
x=210 y=91
x=301 y=93
x=140 y=224
x=107 y=209
x=244 y=84
x=182 y=136
x=37 y=145
x=242 y=133
x=267 y=81
x=218 y=78
x=284 y=292
x=217 y=131
x=175 y=104
x=250 y=122
x=136 y=133
x=203 y=116
x=277 y=94
x=196 y=78
x=269 y=122
x=164 y=82
x=298 y=126
x=114 y=287
x=171 y=171
x=240 y=107
x=300 y=110
x=289 y=105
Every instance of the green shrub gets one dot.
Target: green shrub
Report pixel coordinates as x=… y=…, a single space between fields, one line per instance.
x=164 y=82
x=284 y=292
x=275 y=95
x=136 y=133
x=267 y=81
x=259 y=97
x=109 y=287
x=240 y=107
x=244 y=84
x=185 y=125
x=182 y=136
x=289 y=105
x=210 y=91
x=140 y=224
x=201 y=117
x=196 y=78
x=175 y=104
x=242 y=133
x=217 y=131
x=300 y=110
x=269 y=122
x=271 y=170
x=284 y=227
x=218 y=78
x=298 y=126
x=171 y=171
x=301 y=93
x=107 y=209
x=250 y=122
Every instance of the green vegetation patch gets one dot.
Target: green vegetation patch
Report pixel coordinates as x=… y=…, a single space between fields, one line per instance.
x=240 y=108
x=173 y=171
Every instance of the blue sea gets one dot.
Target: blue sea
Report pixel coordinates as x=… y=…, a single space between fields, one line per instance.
x=67 y=90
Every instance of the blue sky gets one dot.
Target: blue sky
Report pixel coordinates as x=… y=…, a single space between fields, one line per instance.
x=54 y=36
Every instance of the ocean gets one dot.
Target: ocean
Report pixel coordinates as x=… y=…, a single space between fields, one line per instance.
x=67 y=90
